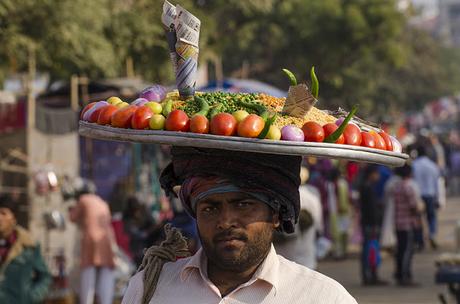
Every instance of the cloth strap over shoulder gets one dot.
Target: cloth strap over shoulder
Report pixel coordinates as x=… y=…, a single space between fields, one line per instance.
x=173 y=247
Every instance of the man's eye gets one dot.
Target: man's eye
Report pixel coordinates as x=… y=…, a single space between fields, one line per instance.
x=209 y=209
x=243 y=204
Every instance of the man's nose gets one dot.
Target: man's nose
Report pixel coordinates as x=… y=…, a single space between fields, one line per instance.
x=227 y=218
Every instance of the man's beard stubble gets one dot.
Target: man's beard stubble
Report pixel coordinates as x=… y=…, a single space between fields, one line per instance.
x=252 y=254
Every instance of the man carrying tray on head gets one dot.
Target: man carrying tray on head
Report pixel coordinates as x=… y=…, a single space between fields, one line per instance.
x=238 y=199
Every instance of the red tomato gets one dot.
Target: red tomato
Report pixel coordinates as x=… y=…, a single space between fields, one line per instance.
x=105 y=116
x=352 y=135
x=251 y=126
x=313 y=131
x=367 y=140
x=122 y=117
x=199 y=124
x=329 y=129
x=387 y=139
x=141 y=118
x=379 y=142
x=177 y=121
x=86 y=108
x=95 y=111
x=223 y=124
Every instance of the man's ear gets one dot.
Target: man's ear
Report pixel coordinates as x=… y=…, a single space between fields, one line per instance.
x=276 y=220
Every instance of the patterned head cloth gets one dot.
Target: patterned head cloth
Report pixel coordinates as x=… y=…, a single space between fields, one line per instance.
x=272 y=179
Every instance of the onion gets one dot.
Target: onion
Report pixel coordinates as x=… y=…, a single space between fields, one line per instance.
x=155 y=92
x=96 y=106
x=396 y=145
x=139 y=102
x=339 y=121
x=292 y=133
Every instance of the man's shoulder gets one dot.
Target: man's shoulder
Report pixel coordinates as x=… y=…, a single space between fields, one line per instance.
x=314 y=281
x=170 y=271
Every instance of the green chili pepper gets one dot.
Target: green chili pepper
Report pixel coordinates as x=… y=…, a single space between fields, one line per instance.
x=336 y=134
x=260 y=109
x=216 y=110
x=314 y=83
x=204 y=106
x=266 y=128
x=167 y=108
x=291 y=77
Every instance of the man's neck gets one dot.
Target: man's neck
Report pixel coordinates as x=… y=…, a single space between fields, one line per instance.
x=228 y=280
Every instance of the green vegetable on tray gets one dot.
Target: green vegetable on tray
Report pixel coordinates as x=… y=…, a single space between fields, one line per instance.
x=314 y=83
x=167 y=108
x=216 y=110
x=204 y=106
x=291 y=77
x=260 y=109
x=336 y=134
x=267 y=125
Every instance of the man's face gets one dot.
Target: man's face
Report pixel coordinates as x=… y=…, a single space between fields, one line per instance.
x=7 y=221
x=235 y=230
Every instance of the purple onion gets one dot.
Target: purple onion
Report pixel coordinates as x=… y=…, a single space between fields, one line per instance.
x=292 y=133
x=139 y=102
x=155 y=92
x=397 y=147
x=96 y=106
x=339 y=121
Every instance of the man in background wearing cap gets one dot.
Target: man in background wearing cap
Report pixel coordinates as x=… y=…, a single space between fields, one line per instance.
x=238 y=199
x=24 y=276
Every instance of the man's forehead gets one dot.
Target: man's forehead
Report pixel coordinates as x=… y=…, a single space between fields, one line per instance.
x=226 y=197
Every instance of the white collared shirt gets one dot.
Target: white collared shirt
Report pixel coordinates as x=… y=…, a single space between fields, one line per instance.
x=426 y=175
x=277 y=280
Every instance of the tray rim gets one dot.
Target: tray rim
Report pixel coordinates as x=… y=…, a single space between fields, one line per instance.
x=328 y=150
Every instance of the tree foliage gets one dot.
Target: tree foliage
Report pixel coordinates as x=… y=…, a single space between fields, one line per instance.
x=363 y=50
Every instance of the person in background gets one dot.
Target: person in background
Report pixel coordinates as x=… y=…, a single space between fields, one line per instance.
x=426 y=174
x=24 y=276
x=302 y=247
x=406 y=198
x=371 y=210
x=340 y=210
x=137 y=224
x=97 y=258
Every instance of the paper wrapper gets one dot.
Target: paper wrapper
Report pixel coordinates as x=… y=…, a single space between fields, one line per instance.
x=168 y=18
x=183 y=35
x=299 y=101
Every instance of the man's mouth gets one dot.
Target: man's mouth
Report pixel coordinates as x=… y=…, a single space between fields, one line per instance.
x=230 y=240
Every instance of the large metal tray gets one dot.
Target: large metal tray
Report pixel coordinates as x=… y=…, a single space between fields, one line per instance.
x=322 y=150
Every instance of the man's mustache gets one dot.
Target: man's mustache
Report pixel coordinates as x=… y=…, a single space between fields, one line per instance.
x=230 y=234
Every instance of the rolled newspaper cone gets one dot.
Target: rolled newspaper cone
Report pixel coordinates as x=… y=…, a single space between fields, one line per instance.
x=168 y=18
x=187 y=64
x=187 y=29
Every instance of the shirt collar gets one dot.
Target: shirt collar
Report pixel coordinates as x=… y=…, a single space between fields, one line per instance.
x=268 y=271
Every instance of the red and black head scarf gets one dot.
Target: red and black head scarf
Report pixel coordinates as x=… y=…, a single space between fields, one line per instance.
x=274 y=179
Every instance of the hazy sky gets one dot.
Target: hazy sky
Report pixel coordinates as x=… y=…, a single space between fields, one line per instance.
x=429 y=7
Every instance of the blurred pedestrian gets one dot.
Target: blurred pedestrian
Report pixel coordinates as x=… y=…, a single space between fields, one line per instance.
x=140 y=227
x=371 y=214
x=406 y=198
x=426 y=174
x=97 y=258
x=24 y=276
x=339 y=212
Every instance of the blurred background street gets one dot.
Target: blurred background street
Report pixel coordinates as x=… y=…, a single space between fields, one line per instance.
x=347 y=272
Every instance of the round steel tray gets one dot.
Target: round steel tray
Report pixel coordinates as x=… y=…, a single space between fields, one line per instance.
x=324 y=150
